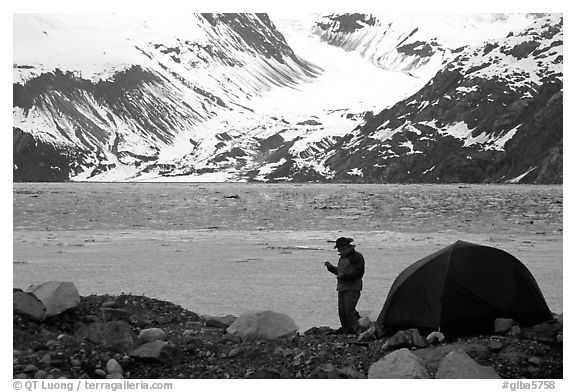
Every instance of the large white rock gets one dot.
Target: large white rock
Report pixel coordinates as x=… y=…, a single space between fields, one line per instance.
x=263 y=325
x=457 y=364
x=401 y=363
x=56 y=296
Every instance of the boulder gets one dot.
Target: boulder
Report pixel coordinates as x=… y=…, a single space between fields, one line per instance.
x=545 y=332
x=158 y=351
x=114 y=335
x=56 y=296
x=457 y=364
x=151 y=334
x=503 y=325
x=28 y=305
x=406 y=338
x=219 y=322
x=401 y=363
x=431 y=356
x=264 y=325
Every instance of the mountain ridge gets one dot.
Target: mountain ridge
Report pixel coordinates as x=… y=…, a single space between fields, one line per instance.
x=490 y=111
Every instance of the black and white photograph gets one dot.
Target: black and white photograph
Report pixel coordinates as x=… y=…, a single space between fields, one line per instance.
x=346 y=191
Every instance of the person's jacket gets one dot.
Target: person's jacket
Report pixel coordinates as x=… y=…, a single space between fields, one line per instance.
x=349 y=272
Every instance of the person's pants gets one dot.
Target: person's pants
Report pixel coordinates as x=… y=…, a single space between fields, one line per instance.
x=347 y=301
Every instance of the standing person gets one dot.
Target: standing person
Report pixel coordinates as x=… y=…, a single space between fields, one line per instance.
x=349 y=273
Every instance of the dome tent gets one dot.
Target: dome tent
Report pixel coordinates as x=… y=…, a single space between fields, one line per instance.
x=461 y=289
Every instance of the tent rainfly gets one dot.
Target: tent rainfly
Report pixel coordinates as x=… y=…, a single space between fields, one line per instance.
x=462 y=289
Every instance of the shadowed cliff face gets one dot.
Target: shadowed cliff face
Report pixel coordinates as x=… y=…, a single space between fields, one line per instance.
x=35 y=161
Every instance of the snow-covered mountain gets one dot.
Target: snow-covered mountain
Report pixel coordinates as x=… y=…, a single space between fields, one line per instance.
x=243 y=97
x=100 y=92
x=492 y=114
x=419 y=44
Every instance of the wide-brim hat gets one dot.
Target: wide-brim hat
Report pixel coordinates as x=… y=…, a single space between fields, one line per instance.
x=343 y=241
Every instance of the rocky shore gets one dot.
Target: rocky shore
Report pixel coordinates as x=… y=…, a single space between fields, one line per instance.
x=136 y=337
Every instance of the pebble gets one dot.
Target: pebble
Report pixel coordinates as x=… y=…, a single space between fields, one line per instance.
x=495 y=346
x=109 y=304
x=535 y=361
x=30 y=369
x=100 y=373
x=46 y=359
x=299 y=357
x=41 y=347
x=112 y=366
x=51 y=343
x=514 y=331
x=75 y=363
x=532 y=369
x=115 y=375
x=17 y=368
x=41 y=374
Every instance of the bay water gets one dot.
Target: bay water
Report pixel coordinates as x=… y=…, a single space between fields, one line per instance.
x=225 y=248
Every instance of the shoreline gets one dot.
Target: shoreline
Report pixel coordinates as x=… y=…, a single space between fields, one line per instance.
x=251 y=269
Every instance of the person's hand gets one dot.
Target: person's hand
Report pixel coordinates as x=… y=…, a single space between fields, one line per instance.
x=327 y=264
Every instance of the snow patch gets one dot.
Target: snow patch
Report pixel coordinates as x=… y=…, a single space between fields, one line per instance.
x=356 y=172
x=521 y=176
x=267 y=169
